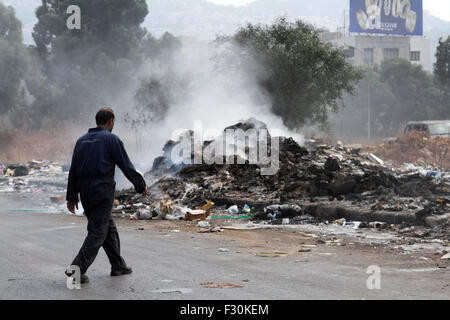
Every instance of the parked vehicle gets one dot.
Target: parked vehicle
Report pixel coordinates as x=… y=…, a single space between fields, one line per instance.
x=436 y=128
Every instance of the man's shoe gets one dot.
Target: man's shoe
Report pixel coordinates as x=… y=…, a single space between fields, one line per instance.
x=121 y=272
x=84 y=279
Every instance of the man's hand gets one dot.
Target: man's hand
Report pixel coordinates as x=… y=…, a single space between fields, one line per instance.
x=146 y=192
x=71 y=206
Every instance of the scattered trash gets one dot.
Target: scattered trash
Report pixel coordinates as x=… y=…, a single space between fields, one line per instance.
x=434 y=174
x=203 y=224
x=10 y=172
x=177 y=290
x=142 y=214
x=375 y=159
x=165 y=208
x=340 y=222
x=336 y=242
x=52 y=168
x=234 y=218
x=241 y=227
x=356 y=224
x=212 y=285
x=275 y=254
x=195 y=215
x=216 y=229
x=282 y=211
x=247 y=209
x=207 y=207
x=178 y=213
x=58 y=199
x=233 y=210
x=377 y=225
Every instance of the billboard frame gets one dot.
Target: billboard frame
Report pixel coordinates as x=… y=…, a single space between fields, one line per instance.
x=386 y=17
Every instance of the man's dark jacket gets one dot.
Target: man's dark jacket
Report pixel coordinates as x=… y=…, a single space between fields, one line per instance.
x=93 y=163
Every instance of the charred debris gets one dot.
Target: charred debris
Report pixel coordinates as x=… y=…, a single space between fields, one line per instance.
x=316 y=182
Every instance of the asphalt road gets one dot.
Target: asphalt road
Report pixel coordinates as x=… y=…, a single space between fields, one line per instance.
x=35 y=249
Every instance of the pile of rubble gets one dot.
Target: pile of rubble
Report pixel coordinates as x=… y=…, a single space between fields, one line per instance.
x=416 y=147
x=310 y=175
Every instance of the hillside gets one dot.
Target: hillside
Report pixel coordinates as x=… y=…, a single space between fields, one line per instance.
x=205 y=20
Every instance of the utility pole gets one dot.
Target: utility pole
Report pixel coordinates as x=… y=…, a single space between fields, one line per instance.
x=369 y=97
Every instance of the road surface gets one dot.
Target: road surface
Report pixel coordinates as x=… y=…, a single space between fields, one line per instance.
x=35 y=249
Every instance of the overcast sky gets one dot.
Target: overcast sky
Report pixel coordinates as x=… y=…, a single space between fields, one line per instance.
x=439 y=8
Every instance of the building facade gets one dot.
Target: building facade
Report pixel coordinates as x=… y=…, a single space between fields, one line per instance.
x=363 y=49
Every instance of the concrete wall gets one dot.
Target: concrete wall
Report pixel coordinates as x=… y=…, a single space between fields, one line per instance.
x=424 y=46
x=379 y=43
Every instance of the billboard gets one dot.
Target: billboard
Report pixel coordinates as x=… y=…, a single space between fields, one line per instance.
x=400 y=17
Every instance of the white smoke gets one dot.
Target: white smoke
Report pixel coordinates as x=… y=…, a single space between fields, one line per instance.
x=216 y=98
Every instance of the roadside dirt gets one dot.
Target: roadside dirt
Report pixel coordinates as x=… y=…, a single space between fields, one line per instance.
x=360 y=248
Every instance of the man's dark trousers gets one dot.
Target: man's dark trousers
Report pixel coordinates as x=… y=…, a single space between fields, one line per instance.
x=102 y=231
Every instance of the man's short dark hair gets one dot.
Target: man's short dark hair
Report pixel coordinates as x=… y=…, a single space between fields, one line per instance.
x=104 y=115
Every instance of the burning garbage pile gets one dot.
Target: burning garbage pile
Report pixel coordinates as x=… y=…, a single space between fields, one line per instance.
x=308 y=176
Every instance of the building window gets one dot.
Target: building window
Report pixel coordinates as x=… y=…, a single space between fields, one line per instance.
x=415 y=55
x=350 y=52
x=368 y=56
x=391 y=53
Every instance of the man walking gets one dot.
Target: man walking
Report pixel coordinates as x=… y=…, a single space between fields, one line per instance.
x=92 y=177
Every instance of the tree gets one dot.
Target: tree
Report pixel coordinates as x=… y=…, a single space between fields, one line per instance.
x=111 y=27
x=442 y=75
x=96 y=65
x=354 y=118
x=416 y=96
x=442 y=65
x=13 y=59
x=304 y=77
x=162 y=49
x=157 y=93
x=399 y=92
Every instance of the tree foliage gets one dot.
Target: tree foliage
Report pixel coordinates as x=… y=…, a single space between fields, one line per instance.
x=111 y=27
x=399 y=92
x=442 y=65
x=13 y=59
x=69 y=74
x=91 y=67
x=304 y=77
x=162 y=49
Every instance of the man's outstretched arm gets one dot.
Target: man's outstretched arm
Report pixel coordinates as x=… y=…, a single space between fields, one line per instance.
x=123 y=162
